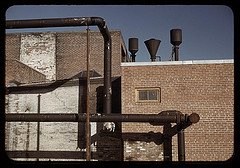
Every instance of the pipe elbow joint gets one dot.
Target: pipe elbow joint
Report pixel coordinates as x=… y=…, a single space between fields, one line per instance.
x=98 y=21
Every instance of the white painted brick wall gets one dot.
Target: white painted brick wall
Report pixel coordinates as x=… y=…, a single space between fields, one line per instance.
x=37 y=50
x=54 y=136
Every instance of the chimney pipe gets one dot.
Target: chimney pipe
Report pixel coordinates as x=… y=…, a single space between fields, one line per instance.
x=133 y=47
x=176 y=40
x=152 y=46
x=78 y=21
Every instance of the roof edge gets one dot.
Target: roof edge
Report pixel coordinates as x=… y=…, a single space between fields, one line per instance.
x=191 y=62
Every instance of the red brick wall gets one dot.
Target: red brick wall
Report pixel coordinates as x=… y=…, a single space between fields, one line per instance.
x=20 y=72
x=71 y=52
x=206 y=89
x=12 y=47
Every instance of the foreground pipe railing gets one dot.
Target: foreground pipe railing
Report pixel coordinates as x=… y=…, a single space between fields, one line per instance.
x=78 y=21
x=151 y=118
x=165 y=117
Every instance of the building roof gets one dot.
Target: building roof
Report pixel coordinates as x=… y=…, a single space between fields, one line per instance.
x=192 y=62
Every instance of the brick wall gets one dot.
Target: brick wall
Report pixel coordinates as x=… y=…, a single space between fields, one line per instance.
x=22 y=73
x=71 y=52
x=37 y=50
x=65 y=52
x=12 y=47
x=61 y=55
x=206 y=89
x=57 y=137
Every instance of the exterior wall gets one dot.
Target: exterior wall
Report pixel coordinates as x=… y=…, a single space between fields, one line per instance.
x=26 y=75
x=58 y=137
x=206 y=88
x=72 y=50
x=37 y=50
x=12 y=47
x=61 y=55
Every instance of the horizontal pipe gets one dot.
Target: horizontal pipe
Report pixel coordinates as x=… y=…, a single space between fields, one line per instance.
x=152 y=118
x=47 y=154
x=61 y=22
x=54 y=22
x=93 y=118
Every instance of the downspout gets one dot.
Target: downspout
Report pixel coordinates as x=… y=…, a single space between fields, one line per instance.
x=78 y=21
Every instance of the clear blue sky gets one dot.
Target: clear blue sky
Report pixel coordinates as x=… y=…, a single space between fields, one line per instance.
x=208 y=30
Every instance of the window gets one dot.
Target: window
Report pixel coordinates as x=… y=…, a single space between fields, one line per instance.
x=147 y=94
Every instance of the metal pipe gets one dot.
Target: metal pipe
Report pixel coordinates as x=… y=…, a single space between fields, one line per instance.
x=107 y=99
x=133 y=57
x=93 y=118
x=38 y=125
x=88 y=142
x=78 y=21
x=176 y=53
x=152 y=118
x=181 y=144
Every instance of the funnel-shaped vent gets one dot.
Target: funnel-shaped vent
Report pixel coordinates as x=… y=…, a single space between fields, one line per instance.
x=133 y=47
x=152 y=46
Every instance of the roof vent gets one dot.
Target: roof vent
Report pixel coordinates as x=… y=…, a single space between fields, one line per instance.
x=176 y=40
x=152 y=46
x=133 y=47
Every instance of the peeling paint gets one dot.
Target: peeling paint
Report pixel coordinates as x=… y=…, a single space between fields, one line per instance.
x=38 y=50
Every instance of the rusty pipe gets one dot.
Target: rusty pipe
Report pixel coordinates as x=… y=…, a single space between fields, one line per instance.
x=93 y=118
x=78 y=21
x=151 y=118
x=181 y=144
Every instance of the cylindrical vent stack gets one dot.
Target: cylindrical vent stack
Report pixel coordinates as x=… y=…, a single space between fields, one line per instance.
x=152 y=46
x=133 y=47
x=176 y=40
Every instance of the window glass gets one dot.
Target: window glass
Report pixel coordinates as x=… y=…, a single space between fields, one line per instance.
x=143 y=95
x=147 y=95
x=152 y=94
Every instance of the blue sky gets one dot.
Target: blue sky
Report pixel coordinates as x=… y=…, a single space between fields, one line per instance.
x=208 y=30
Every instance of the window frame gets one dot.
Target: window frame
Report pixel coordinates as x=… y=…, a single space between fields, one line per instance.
x=158 y=89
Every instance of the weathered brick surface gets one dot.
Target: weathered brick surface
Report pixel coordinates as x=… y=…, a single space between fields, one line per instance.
x=57 y=136
x=12 y=47
x=72 y=50
x=206 y=89
x=61 y=55
x=142 y=151
x=37 y=50
x=22 y=73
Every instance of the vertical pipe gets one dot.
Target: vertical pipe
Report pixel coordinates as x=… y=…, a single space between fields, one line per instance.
x=176 y=53
x=88 y=147
x=167 y=142
x=107 y=105
x=82 y=109
x=181 y=144
x=133 y=57
x=153 y=59
x=38 y=128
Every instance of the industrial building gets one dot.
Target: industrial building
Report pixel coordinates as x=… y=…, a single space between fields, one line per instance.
x=46 y=75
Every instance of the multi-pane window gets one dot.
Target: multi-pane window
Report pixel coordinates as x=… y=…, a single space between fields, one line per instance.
x=147 y=94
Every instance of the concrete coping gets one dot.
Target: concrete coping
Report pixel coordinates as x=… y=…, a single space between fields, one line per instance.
x=191 y=62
